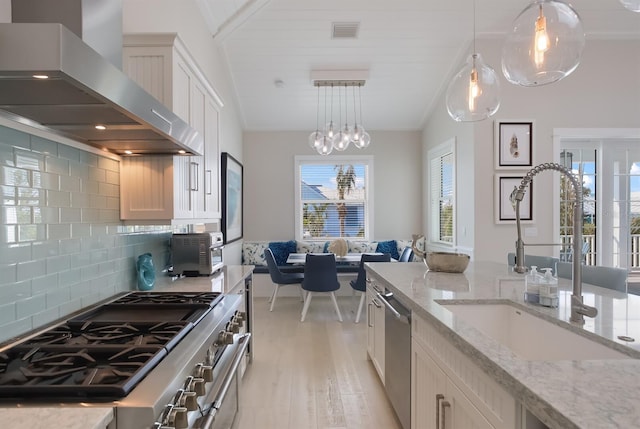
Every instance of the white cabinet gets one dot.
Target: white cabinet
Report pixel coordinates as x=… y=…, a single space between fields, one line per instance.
x=180 y=189
x=375 y=328
x=449 y=391
x=436 y=401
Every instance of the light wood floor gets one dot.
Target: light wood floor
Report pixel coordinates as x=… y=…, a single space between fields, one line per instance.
x=311 y=375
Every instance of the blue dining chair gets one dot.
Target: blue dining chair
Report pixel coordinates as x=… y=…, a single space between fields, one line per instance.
x=360 y=283
x=597 y=275
x=406 y=255
x=320 y=276
x=278 y=277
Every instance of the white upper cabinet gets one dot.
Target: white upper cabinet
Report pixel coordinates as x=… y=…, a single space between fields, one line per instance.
x=179 y=189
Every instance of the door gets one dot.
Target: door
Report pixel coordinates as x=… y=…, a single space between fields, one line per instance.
x=611 y=182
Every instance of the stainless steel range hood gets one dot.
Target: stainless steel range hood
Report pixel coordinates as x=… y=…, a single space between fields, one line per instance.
x=83 y=90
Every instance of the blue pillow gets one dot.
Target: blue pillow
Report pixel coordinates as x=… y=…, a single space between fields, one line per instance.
x=281 y=250
x=390 y=247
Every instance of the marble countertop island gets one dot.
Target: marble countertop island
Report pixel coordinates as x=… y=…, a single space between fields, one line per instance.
x=563 y=394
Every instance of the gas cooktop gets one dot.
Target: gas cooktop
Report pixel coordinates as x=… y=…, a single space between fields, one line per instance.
x=103 y=352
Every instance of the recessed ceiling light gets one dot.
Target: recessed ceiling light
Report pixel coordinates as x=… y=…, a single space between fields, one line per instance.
x=128 y=152
x=181 y=152
x=41 y=76
x=100 y=127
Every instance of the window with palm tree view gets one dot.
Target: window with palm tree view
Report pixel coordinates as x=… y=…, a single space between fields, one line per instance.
x=332 y=197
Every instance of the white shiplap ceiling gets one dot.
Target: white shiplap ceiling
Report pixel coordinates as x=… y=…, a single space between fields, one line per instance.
x=410 y=48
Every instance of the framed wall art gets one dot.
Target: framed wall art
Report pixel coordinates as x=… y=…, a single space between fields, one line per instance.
x=504 y=210
x=513 y=144
x=231 y=198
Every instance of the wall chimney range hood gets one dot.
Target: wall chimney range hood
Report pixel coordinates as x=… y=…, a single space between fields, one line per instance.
x=84 y=96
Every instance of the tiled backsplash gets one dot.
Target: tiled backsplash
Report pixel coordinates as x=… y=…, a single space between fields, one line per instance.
x=62 y=245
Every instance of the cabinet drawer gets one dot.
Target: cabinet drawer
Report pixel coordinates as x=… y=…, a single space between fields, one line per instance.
x=495 y=403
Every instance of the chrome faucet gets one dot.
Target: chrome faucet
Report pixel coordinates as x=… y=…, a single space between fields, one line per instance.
x=578 y=308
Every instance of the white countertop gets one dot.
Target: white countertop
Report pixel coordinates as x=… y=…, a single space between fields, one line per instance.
x=56 y=417
x=95 y=417
x=563 y=394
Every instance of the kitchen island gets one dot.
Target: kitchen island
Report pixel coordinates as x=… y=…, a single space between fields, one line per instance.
x=560 y=393
x=232 y=280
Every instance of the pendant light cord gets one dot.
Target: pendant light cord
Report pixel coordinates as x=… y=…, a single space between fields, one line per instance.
x=360 y=101
x=318 y=111
x=474 y=26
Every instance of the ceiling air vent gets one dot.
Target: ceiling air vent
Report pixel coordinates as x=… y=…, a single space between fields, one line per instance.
x=345 y=30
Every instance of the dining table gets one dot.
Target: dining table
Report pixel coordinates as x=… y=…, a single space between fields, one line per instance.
x=300 y=258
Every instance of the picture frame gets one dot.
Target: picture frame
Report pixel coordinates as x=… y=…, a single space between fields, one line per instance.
x=232 y=194
x=513 y=144
x=504 y=212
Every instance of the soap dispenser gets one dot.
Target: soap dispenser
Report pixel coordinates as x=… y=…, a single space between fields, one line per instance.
x=548 y=289
x=532 y=286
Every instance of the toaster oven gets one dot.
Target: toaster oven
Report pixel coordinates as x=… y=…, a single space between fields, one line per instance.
x=196 y=254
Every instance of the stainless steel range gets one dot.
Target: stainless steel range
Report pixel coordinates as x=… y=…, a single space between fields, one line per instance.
x=161 y=359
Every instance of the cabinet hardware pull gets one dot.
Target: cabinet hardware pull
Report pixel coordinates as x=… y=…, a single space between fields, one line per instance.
x=445 y=404
x=369 y=315
x=209 y=182
x=194 y=183
x=439 y=397
x=376 y=303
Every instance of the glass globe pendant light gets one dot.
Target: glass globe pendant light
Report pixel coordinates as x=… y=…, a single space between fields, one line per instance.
x=633 y=5
x=315 y=138
x=358 y=133
x=545 y=44
x=326 y=146
x=341 y=139
x=474 y=93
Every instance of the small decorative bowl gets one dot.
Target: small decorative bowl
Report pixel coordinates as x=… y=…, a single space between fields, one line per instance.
x=446 y=262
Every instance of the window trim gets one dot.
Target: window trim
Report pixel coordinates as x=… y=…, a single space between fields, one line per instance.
x=334 y=160
x=433 y=226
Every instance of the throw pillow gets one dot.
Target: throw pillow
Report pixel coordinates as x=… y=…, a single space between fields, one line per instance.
x=281 y=250
x=253 y=253
x=309 y=247
x=362 y=246
x=390 y=247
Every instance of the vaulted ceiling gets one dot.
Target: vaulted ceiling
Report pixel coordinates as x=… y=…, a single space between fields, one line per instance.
x=410 y=49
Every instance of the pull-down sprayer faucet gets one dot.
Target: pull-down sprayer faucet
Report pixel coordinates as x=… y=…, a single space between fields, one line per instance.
x=578 y=308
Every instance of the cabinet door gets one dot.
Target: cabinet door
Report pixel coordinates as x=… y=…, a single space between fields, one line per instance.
x=370 y=323
x=429 y=384
x=379 y=333
x=197 y=121
x=461 y=413
x=211 y=159
x=182 y=205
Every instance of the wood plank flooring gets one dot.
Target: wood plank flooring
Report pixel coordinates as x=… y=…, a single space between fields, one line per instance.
x=311 y=375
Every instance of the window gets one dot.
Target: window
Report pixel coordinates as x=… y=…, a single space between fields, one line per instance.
x=442 y=192
x=333 y=198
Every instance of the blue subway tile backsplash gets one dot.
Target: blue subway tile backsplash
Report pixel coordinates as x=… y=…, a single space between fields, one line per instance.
x=62 y=244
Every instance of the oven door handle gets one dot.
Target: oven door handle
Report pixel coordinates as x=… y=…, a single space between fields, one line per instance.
x=217 y=402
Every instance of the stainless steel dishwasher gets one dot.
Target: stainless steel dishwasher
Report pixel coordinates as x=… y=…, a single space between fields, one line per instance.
x=397 y=366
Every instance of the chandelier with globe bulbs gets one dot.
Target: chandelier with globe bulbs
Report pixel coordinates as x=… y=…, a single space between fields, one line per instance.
x=341 y=98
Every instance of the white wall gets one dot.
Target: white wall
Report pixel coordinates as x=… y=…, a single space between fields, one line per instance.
x=269 y=183
x=602 y=93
